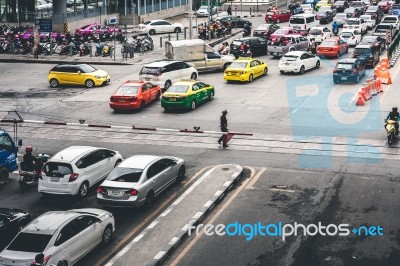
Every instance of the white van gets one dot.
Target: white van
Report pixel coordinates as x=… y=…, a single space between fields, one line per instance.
x=303 y=22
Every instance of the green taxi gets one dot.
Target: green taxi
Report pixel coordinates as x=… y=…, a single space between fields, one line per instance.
x=187 y=94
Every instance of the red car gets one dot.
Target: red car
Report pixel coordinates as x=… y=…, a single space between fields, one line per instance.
x=384 y=6
x=96 y=28
x=284 y=31
x=134 y=94
x=277 y=16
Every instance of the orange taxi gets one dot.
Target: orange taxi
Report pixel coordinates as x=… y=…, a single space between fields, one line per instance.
x=134 y=94
x=332 y=48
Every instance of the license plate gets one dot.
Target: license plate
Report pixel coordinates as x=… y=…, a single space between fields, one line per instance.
x=115 y=193
x=55 y=179
x=172 y=99
x=122 y=100
x=344 y=78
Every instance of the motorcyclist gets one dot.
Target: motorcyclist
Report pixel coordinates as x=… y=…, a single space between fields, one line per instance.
x=29 y=161
x=229 y=24
x=247 y=27
x=395 y=116
x=335 y=28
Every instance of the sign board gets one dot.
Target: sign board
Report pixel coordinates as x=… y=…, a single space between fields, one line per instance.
x=112 y=21
x=44 y=25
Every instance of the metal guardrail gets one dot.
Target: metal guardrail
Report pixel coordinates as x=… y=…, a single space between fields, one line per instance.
x=393 y=47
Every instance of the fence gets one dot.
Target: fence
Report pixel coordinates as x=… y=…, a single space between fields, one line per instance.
x=393 y=48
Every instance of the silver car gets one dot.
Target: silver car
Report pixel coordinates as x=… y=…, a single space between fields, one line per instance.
x=341 y=18
x=139 y=179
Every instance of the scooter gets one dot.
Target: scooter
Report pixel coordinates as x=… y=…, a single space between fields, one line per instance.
x=335 y=31
x=391 y=131
x=30 y=178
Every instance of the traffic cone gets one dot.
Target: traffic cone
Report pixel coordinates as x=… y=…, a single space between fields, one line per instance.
x=389 y=78
x=360 y=101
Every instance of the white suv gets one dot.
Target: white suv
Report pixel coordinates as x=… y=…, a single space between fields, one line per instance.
x=356 y=24
x=392 y=19
x=164 y=73
x=74 y=170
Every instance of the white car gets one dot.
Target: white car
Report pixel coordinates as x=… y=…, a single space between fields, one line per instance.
x=165 y=72
x=319 y=34
x=369 y=20
x=63 y=237
x=75 y=169
x=307 y=8
x=139 y=179
x=158 y=26
x=42 y=5
x=357 y=24
x=203 y=11
x=392 y=19
x=298 y=62
x=351 y=36
x=341 y=18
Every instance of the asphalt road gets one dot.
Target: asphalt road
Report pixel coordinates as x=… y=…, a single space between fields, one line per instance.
x=348 y=191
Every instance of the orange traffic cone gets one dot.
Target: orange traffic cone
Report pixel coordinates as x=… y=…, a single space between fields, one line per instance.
x=360 y=101
x=389 y=79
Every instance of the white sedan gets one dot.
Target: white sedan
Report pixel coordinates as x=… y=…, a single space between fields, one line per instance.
x=63 y=237
x=159 y=26
x=203 y=11
x=319 y=34
x=298 y=62
x=351 y=36
x=369 y=20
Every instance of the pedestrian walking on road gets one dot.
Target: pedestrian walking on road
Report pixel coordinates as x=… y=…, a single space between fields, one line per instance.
x=224 y=128
x=229 y=11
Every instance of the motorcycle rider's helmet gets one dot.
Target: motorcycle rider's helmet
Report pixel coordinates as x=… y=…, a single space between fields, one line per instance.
x=28 y=149
x=225 y=112
x=394 y=109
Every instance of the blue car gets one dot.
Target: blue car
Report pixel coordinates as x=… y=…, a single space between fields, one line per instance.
x=395 y=10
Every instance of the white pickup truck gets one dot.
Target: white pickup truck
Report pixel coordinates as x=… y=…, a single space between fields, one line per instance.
x=198 y=53
x=357 y=24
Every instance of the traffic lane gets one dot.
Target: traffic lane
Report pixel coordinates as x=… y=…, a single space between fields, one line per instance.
x=359 y=201
x=269 y=196
x=30 y=80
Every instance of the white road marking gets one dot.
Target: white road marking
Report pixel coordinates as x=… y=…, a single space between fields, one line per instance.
x=173 y=241
x=283 y=190
x=159 y=255
x=154 y=223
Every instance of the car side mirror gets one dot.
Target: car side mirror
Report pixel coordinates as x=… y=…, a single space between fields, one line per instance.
x=19 y=142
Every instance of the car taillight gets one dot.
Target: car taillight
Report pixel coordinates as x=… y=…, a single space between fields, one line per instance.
x=73 y=177
x=112 y=99
x=132 y=192
x=45 y=260
x=101 y=190
x=334 y=71
x=355 y=71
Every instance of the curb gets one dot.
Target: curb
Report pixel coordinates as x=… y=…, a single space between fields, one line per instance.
x=58 y=61
x=218 y=196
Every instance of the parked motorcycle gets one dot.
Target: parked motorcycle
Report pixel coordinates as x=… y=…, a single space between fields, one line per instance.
x=390 y=131
x=85 y=49
x=29 y=178
x=106 y=50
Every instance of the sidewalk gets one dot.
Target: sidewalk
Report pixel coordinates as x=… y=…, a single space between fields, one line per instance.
x=155 y=242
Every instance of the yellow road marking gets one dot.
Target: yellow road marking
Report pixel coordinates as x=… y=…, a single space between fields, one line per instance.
x=212 y=220
x=140 y=226
x=255 y=178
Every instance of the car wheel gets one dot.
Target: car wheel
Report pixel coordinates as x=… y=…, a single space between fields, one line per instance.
x=83 y=190
x=149 y=200
x=225 y=66
x=54 y=83
x=117 y=163
x=265 y=71
x=193 y=76
x=142 y=106
x=211 y=96
x=278 y=21
x=251 y=78
x=107 y=235
x=4 y=175
x=181 y=173
x=177 y=30
x=89 y=83
x=318 y=64
x=302 y=70
x=152 y=32
x=167 y=84
x=193 y=105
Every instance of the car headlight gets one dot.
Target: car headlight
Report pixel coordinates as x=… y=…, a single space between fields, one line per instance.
x=98 y=77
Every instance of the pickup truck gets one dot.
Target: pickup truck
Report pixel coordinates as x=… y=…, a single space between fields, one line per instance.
x=288 y=43
x=357 y=24
x=197 y=53
x=382 y=29
x=392 y=19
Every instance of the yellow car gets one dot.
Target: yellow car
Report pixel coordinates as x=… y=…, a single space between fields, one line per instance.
x=81 y=74
x=323 y=3
x=245 y=69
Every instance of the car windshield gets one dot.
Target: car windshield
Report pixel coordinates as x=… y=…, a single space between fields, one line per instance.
x=87 y=68
x=178 y=88
x=360 y=51
x=349 y=10
x=357 y=4
x=297 y=20
x=263 y=27
x=147 y=22
x=344 y=66
x=150 y=70
x=346 y=34
x=27 y=242
x=382 y=4
x=315 y=32
x=367 y=41
x=328 y=43
x=351 y=22
x=56 y=169
x=238 y=65
x=389 y=19
x=203 y=8
x=364 y=17
x=339 y=3
x=84 y=27
x=280 y=32
x=125 y=174
x=128 y=89
x=382 y=27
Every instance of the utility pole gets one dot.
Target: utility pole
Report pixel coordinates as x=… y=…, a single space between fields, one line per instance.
x=191 y=19
x=133 y=12
x=209 y=19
